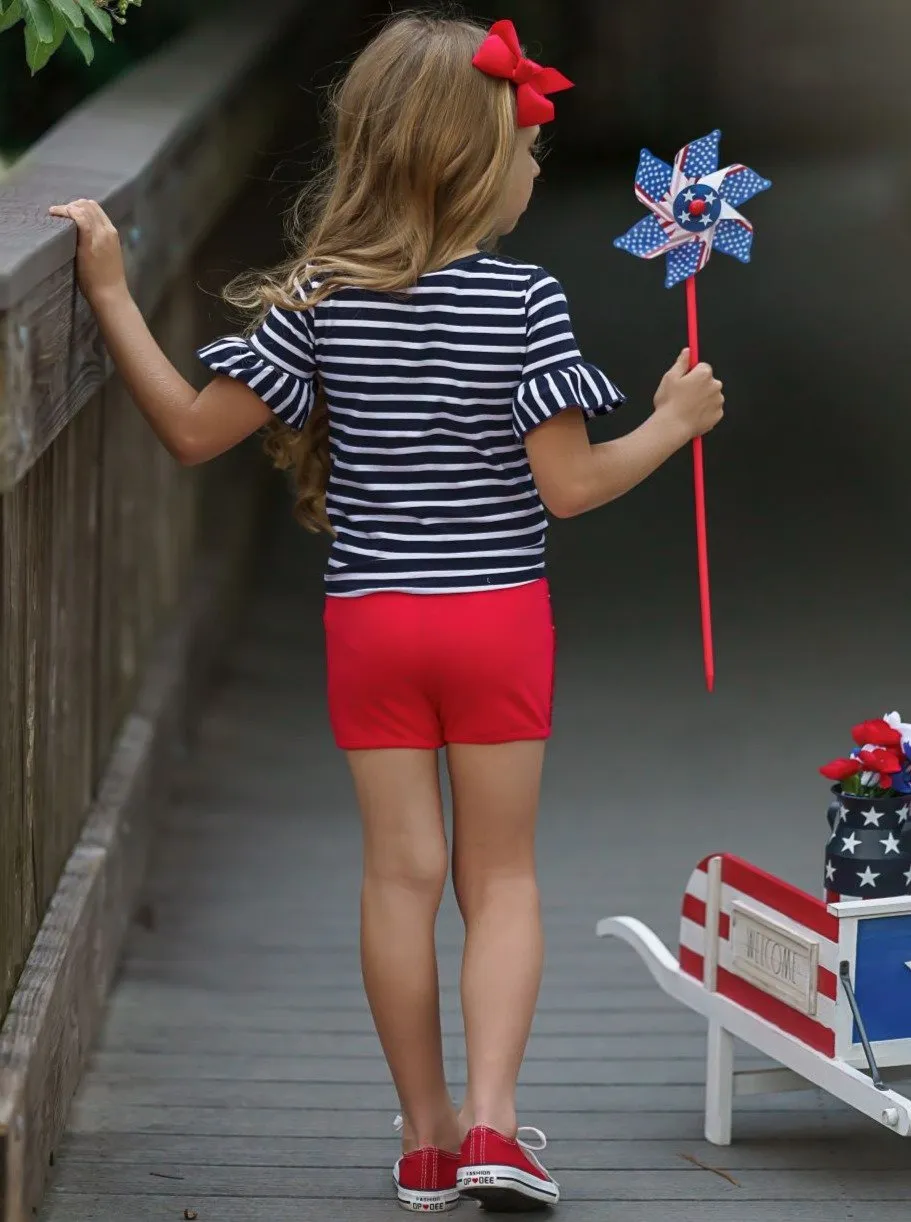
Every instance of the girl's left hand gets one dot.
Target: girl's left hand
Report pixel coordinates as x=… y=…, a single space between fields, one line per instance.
x=99 y=258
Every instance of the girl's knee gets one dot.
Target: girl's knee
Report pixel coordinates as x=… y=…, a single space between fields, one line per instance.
x=478 y=884
x=420 y=868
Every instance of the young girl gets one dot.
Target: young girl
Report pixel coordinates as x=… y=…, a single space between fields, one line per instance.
x=438 y=391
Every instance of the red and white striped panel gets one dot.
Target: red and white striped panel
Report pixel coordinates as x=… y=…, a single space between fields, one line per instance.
x=791 y=907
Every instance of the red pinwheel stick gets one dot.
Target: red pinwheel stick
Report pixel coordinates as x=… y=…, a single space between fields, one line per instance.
x=702 y=547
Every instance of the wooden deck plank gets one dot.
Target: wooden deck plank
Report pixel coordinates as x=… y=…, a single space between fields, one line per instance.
x=554 y=1000
x=334 y=976
x=360 y=1096
x=585 y=1154
x=245 y=1017
x=808 y=1123
x=294 y=1045
x=66 y=1207
x=192 y=1070
x=689 y=1184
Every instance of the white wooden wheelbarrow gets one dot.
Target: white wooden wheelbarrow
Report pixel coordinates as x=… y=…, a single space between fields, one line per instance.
x=823 y=990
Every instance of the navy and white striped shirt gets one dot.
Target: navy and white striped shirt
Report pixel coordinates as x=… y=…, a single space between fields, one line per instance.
x=430 y=394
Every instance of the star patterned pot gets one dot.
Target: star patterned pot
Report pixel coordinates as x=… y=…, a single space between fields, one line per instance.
x=868 y=855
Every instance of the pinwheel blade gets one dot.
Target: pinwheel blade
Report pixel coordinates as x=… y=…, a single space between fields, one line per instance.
x=647 y=239
x=653 y=178
x=742 y=184
x=699 y=158
x=734 y=238
x=737 y=183
x=683 y=262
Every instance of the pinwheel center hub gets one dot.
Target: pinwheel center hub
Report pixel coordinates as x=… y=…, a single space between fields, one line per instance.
x=697 y=207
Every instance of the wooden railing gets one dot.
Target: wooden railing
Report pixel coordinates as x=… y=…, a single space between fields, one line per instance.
x=119 y=570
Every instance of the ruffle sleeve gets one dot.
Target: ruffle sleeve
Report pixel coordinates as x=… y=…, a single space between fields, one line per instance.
x=545 y=395
x=554 y=375
x=276 y=361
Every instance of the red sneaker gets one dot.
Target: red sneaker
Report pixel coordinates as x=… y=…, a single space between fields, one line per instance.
x=503 y=1173
x=425 y=1180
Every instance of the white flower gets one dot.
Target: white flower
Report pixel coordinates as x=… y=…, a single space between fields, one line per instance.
x=904 y=728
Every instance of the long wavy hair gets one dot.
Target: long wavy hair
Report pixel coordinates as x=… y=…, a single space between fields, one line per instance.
x=422 y=145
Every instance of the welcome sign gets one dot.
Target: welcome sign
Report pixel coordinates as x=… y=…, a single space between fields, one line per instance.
x=774 y=957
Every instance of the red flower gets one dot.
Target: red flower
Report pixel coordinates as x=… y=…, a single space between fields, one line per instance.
x=880 y=760
x=877 y=734
x=840 y=770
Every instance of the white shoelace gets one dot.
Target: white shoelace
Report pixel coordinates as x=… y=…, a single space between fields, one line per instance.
x=536 y=1134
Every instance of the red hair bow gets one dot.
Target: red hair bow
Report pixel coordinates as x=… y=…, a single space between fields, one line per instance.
x=500 y=54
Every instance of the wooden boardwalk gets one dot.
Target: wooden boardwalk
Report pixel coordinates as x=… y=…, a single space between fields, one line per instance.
x=238 y=1077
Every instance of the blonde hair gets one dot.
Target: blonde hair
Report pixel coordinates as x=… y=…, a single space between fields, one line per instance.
x=422 y=145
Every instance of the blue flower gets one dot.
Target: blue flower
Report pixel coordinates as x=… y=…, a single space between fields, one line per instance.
x=901 y=781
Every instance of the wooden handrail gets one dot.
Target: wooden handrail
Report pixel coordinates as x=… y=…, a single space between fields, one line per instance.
x=163 y=149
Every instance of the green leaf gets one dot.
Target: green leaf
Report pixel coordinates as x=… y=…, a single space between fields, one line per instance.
x=70 y=11
x=98 y=17
x=37 y=53
x=40 y=17
x=83 y=40
x=10 y=16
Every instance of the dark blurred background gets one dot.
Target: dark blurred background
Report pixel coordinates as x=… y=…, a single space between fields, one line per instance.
x=821 y=76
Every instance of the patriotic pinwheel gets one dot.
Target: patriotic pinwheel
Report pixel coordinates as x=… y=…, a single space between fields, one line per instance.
x=693 y=210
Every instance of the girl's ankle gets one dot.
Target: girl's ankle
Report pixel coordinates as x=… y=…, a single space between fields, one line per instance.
x=442 y=1133
x=501 y=1120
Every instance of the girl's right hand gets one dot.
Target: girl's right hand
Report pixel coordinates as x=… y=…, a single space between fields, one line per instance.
x=691 y=399
x=99 y=258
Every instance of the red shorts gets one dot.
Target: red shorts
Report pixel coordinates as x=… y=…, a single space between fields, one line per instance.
x=423 y=670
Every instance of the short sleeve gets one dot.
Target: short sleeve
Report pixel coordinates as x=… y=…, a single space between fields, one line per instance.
x=276 y=360
x=554 y=375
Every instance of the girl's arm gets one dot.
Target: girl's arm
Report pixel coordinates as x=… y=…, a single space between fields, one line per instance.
x=192 y=427
x=574 y=476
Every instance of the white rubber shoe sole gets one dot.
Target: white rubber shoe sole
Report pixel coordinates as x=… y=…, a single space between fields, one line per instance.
x=506 y=1189
x=426 y=1202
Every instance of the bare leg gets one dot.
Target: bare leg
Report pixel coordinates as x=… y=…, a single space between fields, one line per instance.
x=405 y=867
x=495 y=802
